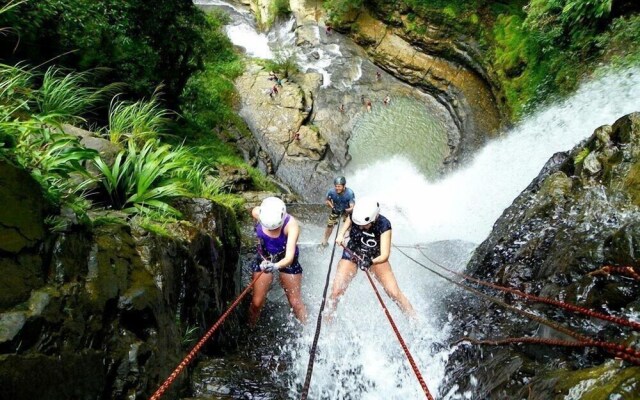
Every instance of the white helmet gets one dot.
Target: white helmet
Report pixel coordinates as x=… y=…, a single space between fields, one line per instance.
x=272 y=212
x=365 y=211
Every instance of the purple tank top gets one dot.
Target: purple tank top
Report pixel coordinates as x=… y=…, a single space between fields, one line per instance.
x=273 y=246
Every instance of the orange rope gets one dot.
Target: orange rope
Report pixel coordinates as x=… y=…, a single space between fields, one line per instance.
x=163 y=388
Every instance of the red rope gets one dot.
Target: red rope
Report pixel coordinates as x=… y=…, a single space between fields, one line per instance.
x=402 y=343
x=555 y=342
x=579 y=337
x=546 y=300
x=201 y=343
x=608 y=269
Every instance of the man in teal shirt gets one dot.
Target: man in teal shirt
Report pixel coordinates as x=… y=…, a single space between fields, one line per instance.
x=341 y=200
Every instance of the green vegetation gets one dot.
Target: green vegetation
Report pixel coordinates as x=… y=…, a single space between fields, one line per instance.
x=141 y=43
x=164 y=154
x=538 y=49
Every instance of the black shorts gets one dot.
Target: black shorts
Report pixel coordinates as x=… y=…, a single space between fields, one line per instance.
x=294 y=269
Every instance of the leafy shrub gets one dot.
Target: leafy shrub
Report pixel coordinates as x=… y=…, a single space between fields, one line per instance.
x=142 y=43
x=144 y=179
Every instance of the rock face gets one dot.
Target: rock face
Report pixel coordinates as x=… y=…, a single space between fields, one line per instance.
x=304 y=129
x=296 y=151
x=439 y=63
x=581 y=213
x=103 y=312
x=442 y=68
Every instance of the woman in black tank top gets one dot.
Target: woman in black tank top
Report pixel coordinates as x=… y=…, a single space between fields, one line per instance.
x=368 y=248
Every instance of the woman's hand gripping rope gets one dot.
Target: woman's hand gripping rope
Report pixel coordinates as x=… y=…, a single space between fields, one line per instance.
x=363 y=262
x=269 y=267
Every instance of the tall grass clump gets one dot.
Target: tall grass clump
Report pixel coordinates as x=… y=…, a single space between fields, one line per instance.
x=66 y=96
x=140 y=121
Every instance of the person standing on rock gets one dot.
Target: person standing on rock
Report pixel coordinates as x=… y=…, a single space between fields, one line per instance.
x=277 y=233
x=341 y=200
x=366 y=238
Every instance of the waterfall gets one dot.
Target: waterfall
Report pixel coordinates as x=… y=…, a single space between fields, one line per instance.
x=358 y=355
x=465 y=204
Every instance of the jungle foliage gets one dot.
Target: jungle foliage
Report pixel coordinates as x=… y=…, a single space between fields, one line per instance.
x=538 y=49
x=162 y=53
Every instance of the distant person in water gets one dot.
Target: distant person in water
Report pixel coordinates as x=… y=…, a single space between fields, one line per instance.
x=366 y=238
x=378 y=75
x=328 y=30
x=277 y=233
x=369 y=105
x=341 y=108
x=386 y=100
x=341 y=200
x=362 y=99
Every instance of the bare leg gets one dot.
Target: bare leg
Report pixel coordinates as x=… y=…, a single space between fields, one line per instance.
x=385 y=276
x=260 y=290
x=327 y=233
x=345 y=273
x=291 y=284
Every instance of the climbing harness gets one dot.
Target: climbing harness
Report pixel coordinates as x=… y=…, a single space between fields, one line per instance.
x=314 y=345
x=618 y=350
x=163 y=388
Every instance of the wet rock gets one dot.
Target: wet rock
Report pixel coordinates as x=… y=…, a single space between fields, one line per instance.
x=591 y=164
x=100 y=311
x=107 y=149
x=235 y=178
x=308 y=144
x=558 y=230
x=22 y=211
x=11 y=323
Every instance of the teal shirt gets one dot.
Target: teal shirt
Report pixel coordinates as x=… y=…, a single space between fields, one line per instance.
x=341 y=201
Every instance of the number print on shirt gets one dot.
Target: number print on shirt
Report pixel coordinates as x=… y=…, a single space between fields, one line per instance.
x=370 y=242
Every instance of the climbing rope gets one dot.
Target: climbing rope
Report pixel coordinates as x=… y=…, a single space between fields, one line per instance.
x=546 y=300
x=394 y=327
x=402 y=343
x=608 y=269
x=614 y=348
x=554 y=342
x=201 y=343
x=314 y=345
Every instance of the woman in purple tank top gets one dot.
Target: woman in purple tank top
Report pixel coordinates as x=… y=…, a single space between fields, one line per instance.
x=277 y=234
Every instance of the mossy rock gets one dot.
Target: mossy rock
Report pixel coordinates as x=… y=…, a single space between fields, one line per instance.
x=608 y=381
x=23 y=209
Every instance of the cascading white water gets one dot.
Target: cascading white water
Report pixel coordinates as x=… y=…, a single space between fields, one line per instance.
x=466 y=204
x=359 y=356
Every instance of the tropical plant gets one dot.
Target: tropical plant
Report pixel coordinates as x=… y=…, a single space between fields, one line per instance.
x=15 y=89
x=139 y=121
x=66 y=96
x=145 y=179
x=141 y=43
